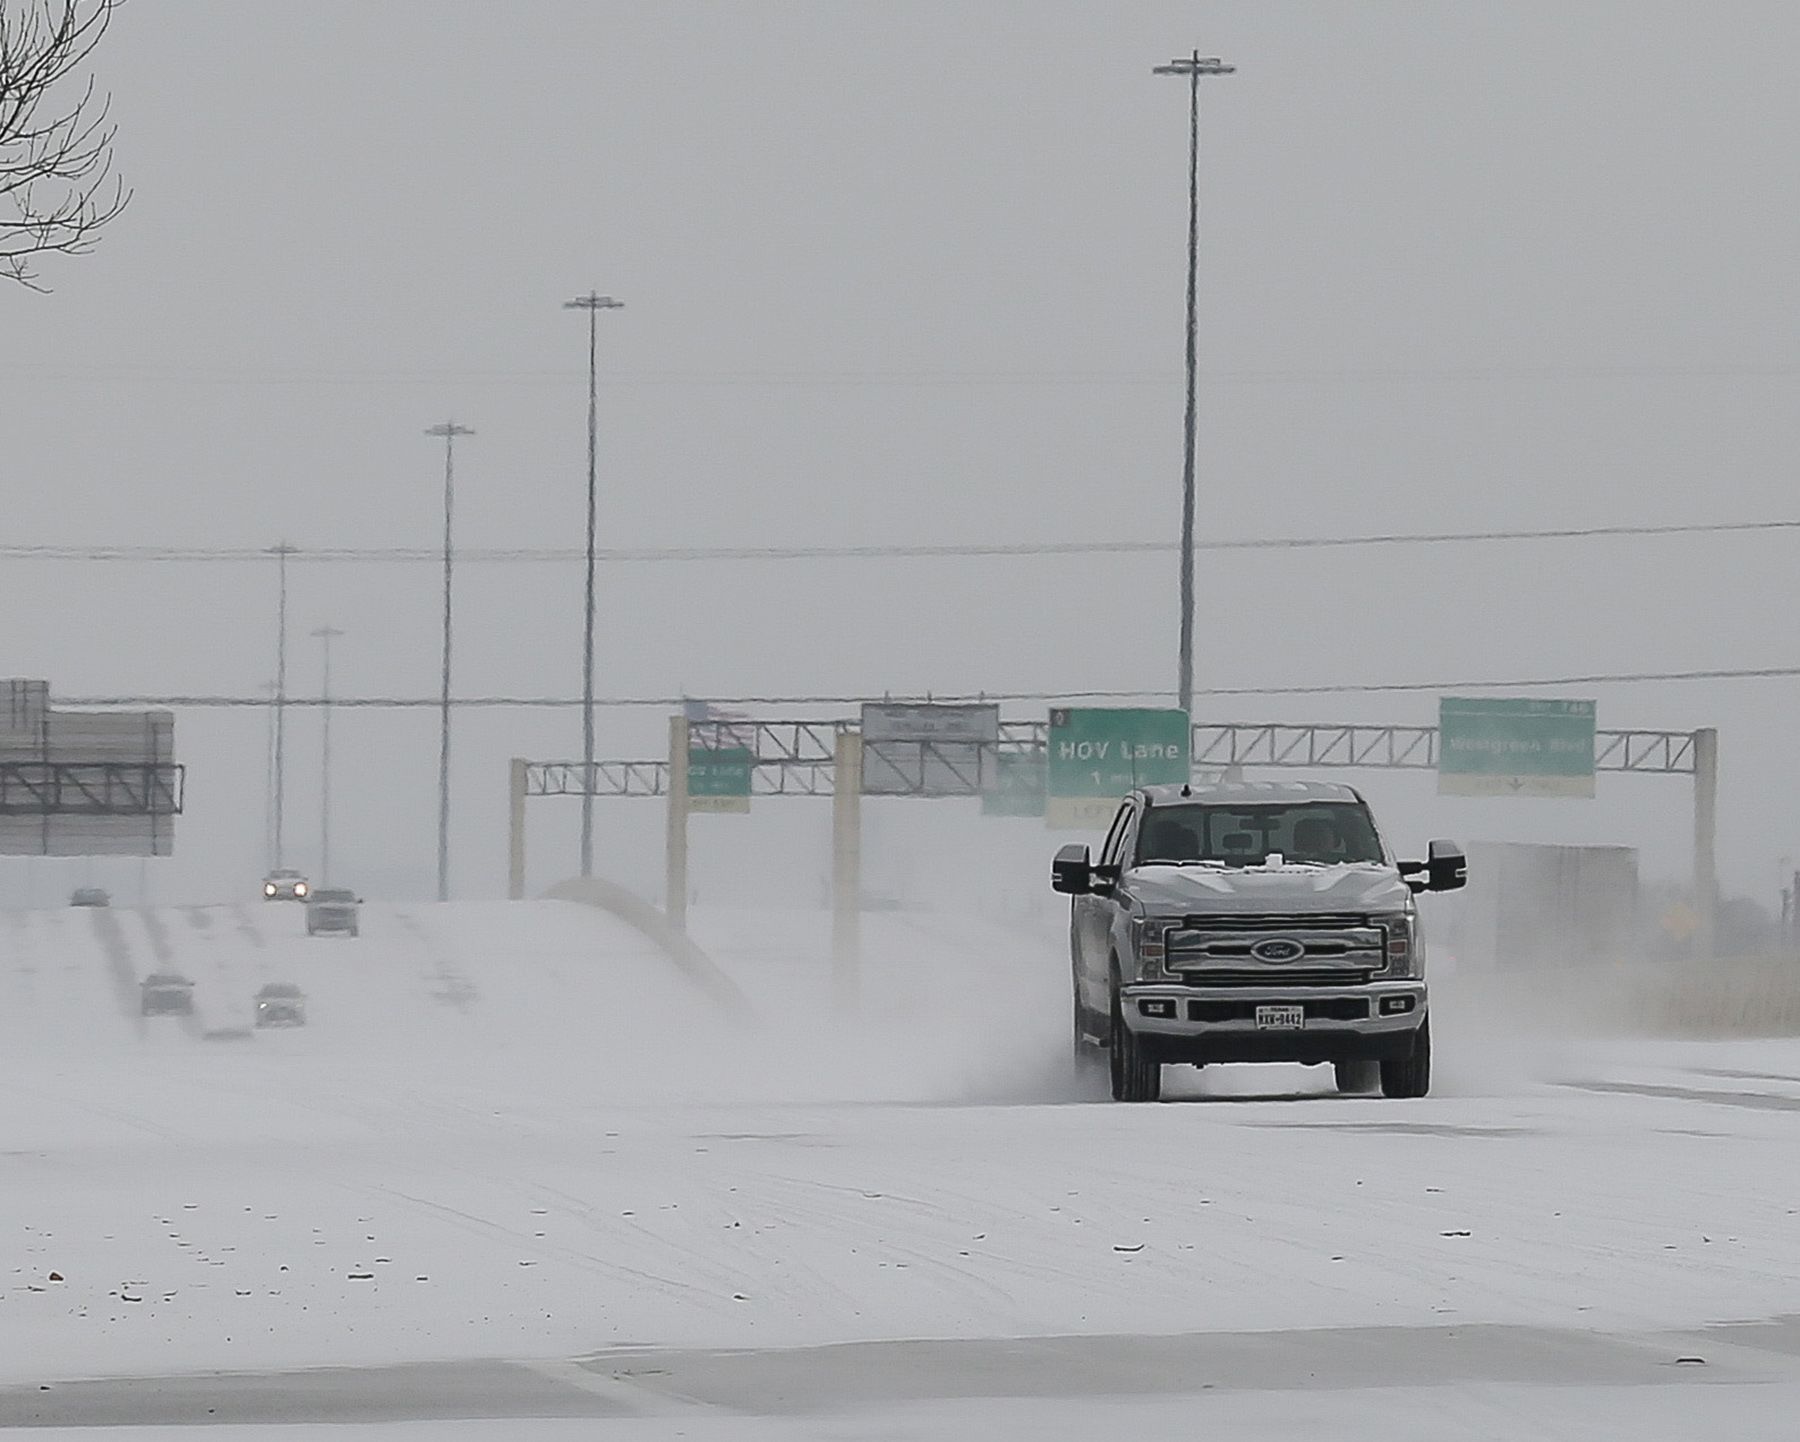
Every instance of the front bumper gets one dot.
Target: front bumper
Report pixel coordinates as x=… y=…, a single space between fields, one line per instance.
x=1369 y=1021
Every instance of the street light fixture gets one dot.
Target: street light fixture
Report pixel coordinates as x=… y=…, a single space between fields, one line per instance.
x=593 y=303
x=1193 y=67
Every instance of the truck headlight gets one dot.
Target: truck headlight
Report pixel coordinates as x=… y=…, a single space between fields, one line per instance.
x=1148 y=940
x=1402 y=944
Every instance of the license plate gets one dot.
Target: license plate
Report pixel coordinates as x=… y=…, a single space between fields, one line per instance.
x=1280 y=1018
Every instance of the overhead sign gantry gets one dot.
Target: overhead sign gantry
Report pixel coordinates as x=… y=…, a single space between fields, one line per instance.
x=828 y=758
x=85 y=783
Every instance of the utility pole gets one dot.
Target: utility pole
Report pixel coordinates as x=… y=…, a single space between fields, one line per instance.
x=1193 y=67
x=268 y=689
x=326 y=634
x=449 y=431
x=593 y=303
x=281 y=554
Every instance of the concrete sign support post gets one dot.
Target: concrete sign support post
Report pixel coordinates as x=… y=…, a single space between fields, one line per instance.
x=515 y=848
x=1706 y=821
x=675 y=885
x=846 y=870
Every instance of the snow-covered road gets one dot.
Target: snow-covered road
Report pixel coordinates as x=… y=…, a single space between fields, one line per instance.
x=516 y=1140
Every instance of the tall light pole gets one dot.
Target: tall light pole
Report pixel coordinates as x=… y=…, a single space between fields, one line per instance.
x=449 y=431
x=1193 y=67
x=268 y=689
x=281 y=554
x=326 y=634
x=593 y=303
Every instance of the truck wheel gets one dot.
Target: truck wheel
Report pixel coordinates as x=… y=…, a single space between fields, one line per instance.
x=1136 y=1073
x=1357 y=1077
x=1409 y=1075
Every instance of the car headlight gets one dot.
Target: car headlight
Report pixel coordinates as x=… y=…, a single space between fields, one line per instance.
x=269 y=889
x=299 y=888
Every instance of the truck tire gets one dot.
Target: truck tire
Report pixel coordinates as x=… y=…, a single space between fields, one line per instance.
x=1357 y=1077
x=1136 y=1073
x=1409 y=1075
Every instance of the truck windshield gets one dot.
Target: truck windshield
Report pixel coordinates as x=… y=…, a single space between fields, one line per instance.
x=1324 y=833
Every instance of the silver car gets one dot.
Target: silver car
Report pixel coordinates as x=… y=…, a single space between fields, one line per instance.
x=285 y=884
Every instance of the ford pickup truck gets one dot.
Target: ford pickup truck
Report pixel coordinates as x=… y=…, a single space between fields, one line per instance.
x=1251 y=922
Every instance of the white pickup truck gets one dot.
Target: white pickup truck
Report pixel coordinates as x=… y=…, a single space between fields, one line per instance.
x=1251 y=922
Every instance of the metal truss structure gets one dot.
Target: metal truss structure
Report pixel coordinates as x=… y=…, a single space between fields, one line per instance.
x=90 y=788
x=796 y=758
x=1409 y=748
x=789 y=758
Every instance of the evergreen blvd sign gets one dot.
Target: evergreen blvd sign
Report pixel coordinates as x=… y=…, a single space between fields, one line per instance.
x=1515 y=746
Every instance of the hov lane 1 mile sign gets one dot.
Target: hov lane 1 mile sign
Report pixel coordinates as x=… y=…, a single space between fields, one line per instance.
x=1515 y=746
x=1096 y=754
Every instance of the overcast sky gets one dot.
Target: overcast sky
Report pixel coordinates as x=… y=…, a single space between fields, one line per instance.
x=913 y=272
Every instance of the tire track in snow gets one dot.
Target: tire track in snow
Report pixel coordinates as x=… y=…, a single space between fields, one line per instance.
x=490 y=1230
x=121 y=970
x=453 y=987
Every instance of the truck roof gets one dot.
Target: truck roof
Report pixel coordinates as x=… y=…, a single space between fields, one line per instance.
x=1250 y=793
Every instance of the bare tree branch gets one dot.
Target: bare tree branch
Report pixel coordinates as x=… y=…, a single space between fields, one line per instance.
x=57 y=187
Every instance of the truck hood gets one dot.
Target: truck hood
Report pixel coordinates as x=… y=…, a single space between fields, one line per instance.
x=1177 y=890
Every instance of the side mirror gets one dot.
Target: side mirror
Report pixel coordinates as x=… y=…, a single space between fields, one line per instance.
x=1071 y=873
x=1447 y=869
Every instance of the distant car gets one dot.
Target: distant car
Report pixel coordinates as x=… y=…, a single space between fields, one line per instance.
x=89 y=896
x=163 y=993
x=280 y=1003
x=335 y=910
x=285 y=884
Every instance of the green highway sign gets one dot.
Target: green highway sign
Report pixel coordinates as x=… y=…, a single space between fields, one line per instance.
x=1516 y=746
x=719 y=780
x=1096 y=754
x=1018 y=785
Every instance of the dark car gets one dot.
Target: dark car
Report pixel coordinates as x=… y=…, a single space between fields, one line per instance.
x=89 y=896
x=163 y=993
x=280 y=1003
x=335 y=910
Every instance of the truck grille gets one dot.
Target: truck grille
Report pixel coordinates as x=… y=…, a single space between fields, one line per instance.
x=1324 y=1008
x=1333 y=948
x=1272 y=976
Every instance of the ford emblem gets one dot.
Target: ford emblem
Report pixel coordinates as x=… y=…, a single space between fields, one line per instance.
x=1278 y=948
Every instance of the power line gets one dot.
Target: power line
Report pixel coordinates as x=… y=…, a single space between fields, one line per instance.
x=404 y=703
x=840 y=378
x=667 y=554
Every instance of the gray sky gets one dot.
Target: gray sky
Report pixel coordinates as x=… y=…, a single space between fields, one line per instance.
x=913 y=272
